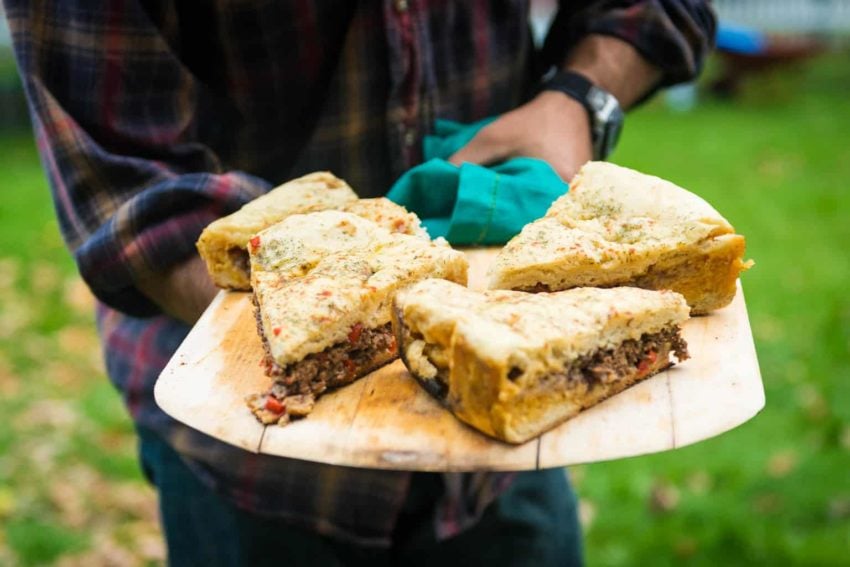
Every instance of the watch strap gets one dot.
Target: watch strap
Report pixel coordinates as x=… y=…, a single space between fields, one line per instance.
x=574 y=85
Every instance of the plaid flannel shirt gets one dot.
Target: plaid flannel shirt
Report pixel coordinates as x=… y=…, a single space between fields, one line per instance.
x=155 y=117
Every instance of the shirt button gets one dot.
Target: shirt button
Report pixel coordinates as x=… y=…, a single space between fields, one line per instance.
x=409 y=138
x=401 y=5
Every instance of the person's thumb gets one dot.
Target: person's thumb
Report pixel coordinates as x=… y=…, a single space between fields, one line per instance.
x=483 y=149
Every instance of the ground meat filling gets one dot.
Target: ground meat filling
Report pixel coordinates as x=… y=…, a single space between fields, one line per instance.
x=297 y=385
x=240 y=259
x=641 y=357
x=537 y=288
x=335 y=366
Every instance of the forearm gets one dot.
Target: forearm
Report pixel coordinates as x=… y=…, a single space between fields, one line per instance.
x=671 y=36
x=614 y=65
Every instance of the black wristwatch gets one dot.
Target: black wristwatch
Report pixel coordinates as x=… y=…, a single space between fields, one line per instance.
x=603 y=109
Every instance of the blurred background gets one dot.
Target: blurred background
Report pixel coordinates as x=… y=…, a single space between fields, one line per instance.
x=764 y=136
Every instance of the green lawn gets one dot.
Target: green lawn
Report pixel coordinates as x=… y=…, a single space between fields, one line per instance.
x=70 y=486
x=775 y=491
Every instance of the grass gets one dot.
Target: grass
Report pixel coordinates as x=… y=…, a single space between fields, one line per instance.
x=70 y=486
x=775 y=491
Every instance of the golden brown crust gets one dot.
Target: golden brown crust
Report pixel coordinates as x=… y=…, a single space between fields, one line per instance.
x=618 y=227
x=222 y=244
x=513 y=365
x=706 y=276
x=389 y=215
x=333 y=270
x=483 y=395
x=324 y=281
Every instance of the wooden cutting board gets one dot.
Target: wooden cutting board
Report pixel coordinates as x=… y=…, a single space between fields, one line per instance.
x=387 y=421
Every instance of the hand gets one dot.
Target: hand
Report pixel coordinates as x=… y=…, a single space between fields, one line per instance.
x=184 y=292
x=552 y=127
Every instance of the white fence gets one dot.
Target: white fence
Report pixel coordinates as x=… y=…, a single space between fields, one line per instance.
x=5 y=39
x=795 y=16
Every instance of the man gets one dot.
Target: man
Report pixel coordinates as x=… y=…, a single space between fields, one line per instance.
x=153 y=118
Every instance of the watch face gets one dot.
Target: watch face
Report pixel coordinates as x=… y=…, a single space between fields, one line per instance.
x=607 y=121
x=597 y=98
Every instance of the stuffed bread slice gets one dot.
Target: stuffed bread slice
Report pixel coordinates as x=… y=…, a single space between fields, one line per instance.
x=223 y=243
x=619 y=227
x=323 y=287
x=514 y=364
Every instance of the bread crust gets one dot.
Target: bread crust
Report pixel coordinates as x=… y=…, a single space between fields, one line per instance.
x=442 y=333
x=618 y=227
x=321 y=279
x=223 y=243
x=315 y=276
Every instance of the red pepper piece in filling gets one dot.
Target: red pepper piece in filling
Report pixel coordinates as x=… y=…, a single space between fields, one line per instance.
x=355 y=333
x=274 y=405
x=255 y=242
x=643 y=365
x=350 y=366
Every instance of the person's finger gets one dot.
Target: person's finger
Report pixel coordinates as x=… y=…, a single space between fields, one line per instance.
x=484 y=148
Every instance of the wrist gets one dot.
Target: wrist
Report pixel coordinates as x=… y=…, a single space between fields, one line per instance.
x=557 y=105
x=601 y=108
x=563 y=125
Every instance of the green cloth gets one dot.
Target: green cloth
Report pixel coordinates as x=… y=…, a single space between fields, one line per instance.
x=473 y=204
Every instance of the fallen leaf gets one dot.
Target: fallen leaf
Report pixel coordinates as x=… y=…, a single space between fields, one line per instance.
x=782 y=463
x=9 y=269
x=136 y=499
x=10 y=382
x=146 y=540
x=7 y=502
x=767 y=328
x=36 y=347
x=699 y=482
x=84 y=477
x=795 y=371
x=14 y=317
x=586 y=513
x=768 y=504
x=839 y=508
x=663 y=498
x=152 y=548
x=42 y=454
x=104 y=553
x=813 y=402
x=845 y=437
x=78 y=296
x=69 y=376
x=44 y=278
x=69 y=501
x=577 y=474
x=57 y=413
x=685 y=547
x=78 y=339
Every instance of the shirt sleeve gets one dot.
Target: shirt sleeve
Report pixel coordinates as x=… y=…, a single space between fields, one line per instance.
x=674 y=35
x=114 y=113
